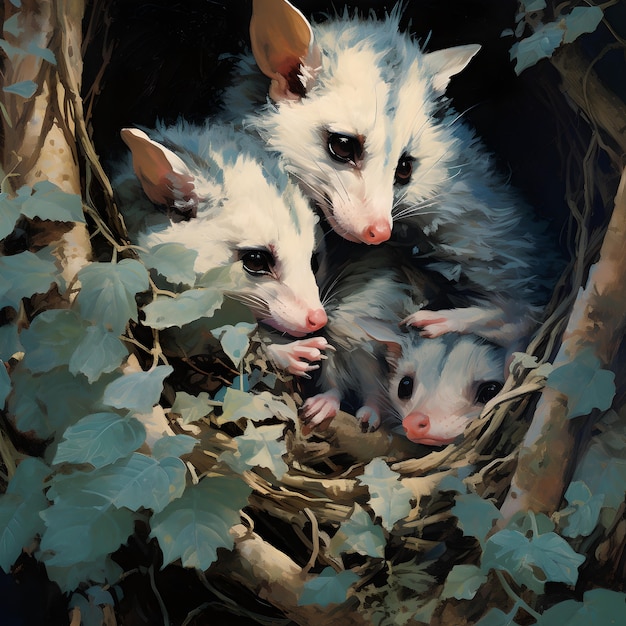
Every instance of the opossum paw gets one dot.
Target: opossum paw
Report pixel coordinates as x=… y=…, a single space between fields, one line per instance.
x=319 y=411
x=298 y=357
x=369 y=418
x=433 y=323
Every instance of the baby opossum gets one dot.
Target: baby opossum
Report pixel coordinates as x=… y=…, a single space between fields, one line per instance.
x=218 y=192
x=437 y=386
x=358 y=111
x=433 y=386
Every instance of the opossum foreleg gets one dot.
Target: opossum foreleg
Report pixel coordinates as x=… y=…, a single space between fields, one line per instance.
x=319 y=410
x=298 y=357
x=504 y=326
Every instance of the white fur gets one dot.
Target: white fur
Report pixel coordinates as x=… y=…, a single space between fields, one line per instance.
x=376 y=83
x=244 y=200
x=366 y=303
x=447 y=373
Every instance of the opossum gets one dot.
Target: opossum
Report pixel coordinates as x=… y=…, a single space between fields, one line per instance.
x=219 y=193
x=358 y=111
x=434 y=387
x=437 y=386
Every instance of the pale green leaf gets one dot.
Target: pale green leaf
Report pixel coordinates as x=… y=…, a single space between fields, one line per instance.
x=100 y=439
x=581 y=20
x=463 y=582
x=328 y=587
x=138 y=391
x=9 y=341
x=78 y=534
x=9 y=212
x=174 y=261
x=193 y=527
x=100 y=570
x=586 y=510
x=584 y=382
x=540 y=45
x=600 y=607
x=389 y=498
x=359 y=534
x=256 y=407
x=475 y=515
x=19 y=510
x=192 y=408
x=235 y=340
x=90 y=613
x=51 y=339
x=25 y=274
x=514 y=552
x=25 y=89
x=99 y=352
x=49 y=202
x=165 y=312
x=107 y=296
x=259 y=447
x=604 y=471
x=174 y=446
x=50 y=402
x=133 y=482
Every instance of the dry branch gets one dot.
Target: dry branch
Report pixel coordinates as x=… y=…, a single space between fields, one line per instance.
x=597 y=322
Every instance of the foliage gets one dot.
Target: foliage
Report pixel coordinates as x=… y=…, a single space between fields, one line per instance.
x=85 y=379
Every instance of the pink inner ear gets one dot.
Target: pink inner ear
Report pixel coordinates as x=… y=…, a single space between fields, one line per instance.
x=161 y=181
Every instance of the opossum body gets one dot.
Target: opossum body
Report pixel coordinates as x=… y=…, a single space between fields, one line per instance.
x=433 y=387
x=217 y=191
x=358 y=113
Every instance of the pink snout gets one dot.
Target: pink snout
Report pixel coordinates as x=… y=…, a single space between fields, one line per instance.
x=416 y=426
x=316 y=319
x=376 y=232
x=418 y=429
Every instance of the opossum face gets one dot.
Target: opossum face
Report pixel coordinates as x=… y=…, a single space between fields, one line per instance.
x=441 y=384
x=363 y=141
x=241 y=213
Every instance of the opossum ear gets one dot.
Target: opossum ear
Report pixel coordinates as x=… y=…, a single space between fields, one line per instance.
x=283 y=47
x=163 y=175
x=381 y=332
x=444 y=64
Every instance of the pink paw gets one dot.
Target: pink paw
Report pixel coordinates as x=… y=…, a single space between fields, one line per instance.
x=369 y=418
x=298 y=357
x=434 y=323
x=318 y=411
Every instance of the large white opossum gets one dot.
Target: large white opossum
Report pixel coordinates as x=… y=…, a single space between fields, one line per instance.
x=433 y=387
x=358 y=111
x=219 y=193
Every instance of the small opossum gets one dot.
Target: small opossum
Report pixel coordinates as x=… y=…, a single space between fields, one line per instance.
x=358 y=112
x=215 y=190
x=432 y=386
x=437 y=386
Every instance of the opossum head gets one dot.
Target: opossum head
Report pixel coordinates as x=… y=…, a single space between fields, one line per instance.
x=439 y=385
x=357 y=115
x=231 y=203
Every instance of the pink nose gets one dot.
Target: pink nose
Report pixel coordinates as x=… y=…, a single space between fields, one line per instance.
x=376 y=232
x=316 y=319
x=416 y=426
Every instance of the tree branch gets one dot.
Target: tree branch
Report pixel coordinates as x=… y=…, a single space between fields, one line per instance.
x=597 y=321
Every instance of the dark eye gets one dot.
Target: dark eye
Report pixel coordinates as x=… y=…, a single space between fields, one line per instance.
x=344 y=148
x=405 y=388
x=257 y=262
x=487 y=390
x=404 y=169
